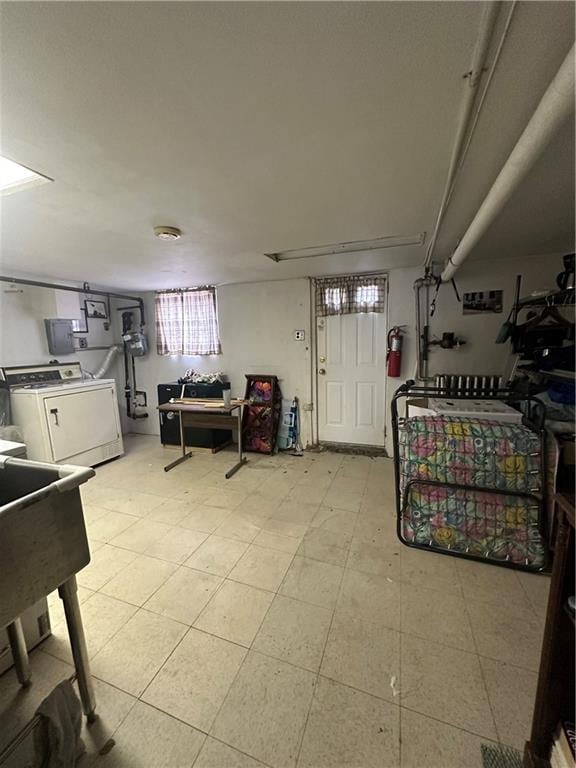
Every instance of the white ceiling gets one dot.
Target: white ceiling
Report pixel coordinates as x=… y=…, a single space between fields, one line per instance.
x=261 y=127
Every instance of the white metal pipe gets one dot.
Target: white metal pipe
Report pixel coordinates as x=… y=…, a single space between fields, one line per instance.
x=473 y=77
x=554 y=109
x=107 y=362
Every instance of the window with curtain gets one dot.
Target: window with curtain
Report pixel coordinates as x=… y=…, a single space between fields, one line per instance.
x=350 y=294
x=187 y=322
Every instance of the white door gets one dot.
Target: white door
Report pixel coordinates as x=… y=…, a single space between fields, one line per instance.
x=80 y=421
x=351 y=365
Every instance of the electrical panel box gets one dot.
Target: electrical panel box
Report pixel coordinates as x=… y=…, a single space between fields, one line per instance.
x=60 y=335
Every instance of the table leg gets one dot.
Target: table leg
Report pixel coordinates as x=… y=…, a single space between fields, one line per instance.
x=185 y=455
x=69 y=594
x=19 y=652
x=241 y=459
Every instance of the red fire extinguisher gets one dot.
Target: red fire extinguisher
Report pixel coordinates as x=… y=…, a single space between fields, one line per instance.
x=394 y=351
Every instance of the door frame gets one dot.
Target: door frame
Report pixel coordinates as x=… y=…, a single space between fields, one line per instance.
x=315 y=436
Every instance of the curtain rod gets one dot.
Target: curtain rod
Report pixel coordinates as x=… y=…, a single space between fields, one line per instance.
x=187 y=290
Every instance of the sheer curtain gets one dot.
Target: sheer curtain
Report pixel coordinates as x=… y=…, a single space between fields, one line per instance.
x=187 y=322
x=350 y=294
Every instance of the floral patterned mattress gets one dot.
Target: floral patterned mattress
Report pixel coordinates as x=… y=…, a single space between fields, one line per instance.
x=481 y=454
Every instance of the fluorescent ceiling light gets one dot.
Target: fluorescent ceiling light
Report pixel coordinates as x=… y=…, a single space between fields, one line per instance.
x=354 y=247
x=14 y=177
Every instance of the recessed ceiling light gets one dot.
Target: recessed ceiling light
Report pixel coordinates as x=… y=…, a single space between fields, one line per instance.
x=168 y=233
x=14 y=177
x=353 y=247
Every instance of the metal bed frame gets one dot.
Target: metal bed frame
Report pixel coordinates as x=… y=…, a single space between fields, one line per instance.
x=534 y=419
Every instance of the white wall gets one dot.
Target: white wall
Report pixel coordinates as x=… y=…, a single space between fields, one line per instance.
x=480 y=355
x=23 y=336
x=257 y=324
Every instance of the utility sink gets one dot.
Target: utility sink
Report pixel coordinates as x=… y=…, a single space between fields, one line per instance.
x=42 y=533
x=43 y=545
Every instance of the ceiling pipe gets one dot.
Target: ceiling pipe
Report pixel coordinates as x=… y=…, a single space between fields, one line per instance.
x=472 y=80
x=554 y=109
x=86 y=290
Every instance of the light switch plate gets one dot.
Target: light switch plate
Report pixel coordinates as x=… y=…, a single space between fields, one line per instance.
x=299 y=335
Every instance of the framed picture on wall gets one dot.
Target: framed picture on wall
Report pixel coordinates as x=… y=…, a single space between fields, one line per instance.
x=96 y=309
x=482 y=302
x=81 y=325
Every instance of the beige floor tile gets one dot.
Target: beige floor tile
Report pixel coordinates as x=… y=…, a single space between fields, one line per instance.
x=373 y=530
x=217 y=555
x=238 y=527
x=225 y=499
x=235 y=612
x=110 y=525
x=102 y=617
x=265 y=711
x=431 y=744
x=215 y=754
x=149 y=738
x=259 y=505
x=112 y=706
x=204 y=519
x=285 y=528
x=275 y=488
x=332 y=519
x=184 y=595
x=379 y=560
x=312 y=581
x=295 y=632
x=490 y=583
x=160 y=483
x=92 y=513
x=294 y=511
x=171 y=511
x=430 y=569
x=512 y=693
x=440 y=617
x=507 y=633
x=177 y=545
x=363 y=655
x=349 y=728
x=341 y=499
x=141 y=535
x=261 y=567
x=105 y=563
x=370 y=598
x=445 y=683
x=130 y=502
x=139 y=580
x=327 y=546
x=308 y=494
x=135 y=654
x=287 y=544
x=537 y=588
x=195 y=680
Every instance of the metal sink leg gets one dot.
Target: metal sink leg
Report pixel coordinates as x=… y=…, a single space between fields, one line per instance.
x=69 y=595
x=19 y=651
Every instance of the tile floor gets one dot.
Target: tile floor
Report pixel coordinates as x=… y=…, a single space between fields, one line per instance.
x=275 y=620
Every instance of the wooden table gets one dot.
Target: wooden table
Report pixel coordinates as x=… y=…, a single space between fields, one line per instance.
x=207 y=415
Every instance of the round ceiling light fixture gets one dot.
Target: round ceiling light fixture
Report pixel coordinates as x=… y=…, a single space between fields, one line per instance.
x=167 y=233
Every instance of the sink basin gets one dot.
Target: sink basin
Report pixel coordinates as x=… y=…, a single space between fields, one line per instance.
x=42 y=533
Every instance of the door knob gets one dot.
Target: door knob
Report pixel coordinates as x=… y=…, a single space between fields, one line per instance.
x=322 y=371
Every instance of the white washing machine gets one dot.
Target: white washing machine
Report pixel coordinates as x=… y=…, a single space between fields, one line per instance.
x=65 y=418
